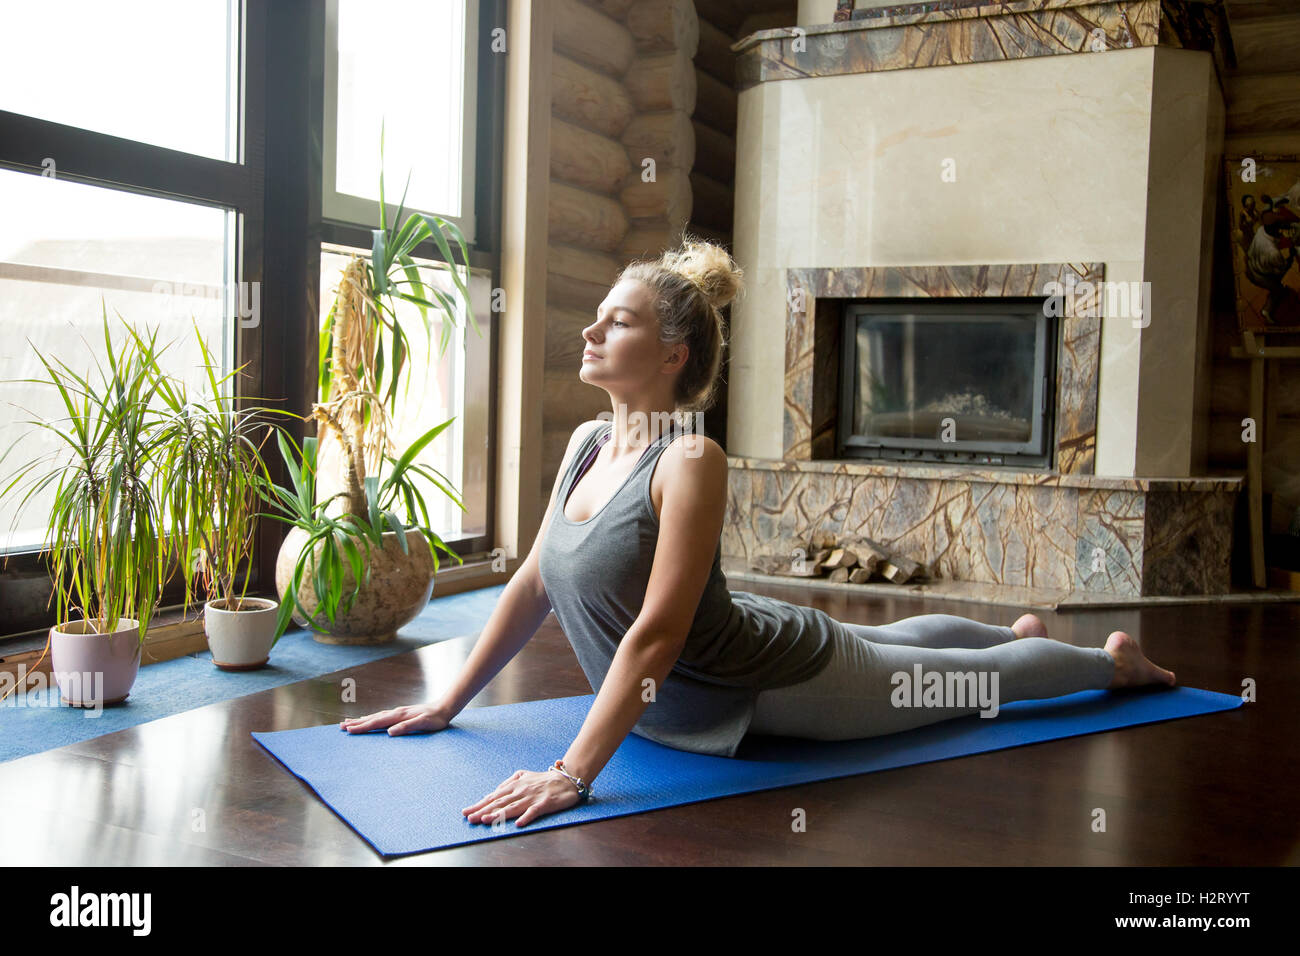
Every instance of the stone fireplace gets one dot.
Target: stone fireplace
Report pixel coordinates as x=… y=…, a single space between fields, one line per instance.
x=907 y=157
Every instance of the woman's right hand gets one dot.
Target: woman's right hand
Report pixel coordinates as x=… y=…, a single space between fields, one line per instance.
x=412 y=719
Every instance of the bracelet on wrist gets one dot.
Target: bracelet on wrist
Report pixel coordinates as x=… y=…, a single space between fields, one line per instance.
x=584 y=789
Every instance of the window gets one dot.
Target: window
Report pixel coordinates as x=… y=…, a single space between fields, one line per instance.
x=406 y=68
x=422 y=70
x=70 y=251
x=436 y=389
x=153 y=71
x=167 y=157
x=123 y=180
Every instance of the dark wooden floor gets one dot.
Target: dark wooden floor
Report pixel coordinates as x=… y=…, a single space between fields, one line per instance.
x=1203 y=791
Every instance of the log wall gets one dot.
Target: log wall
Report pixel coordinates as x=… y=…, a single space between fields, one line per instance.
x=642 y=132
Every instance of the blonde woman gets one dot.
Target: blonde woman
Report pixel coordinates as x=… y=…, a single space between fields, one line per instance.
x=629 y=558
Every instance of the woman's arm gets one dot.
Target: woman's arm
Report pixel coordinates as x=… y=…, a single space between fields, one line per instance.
x=695 y=501
x=512 y=624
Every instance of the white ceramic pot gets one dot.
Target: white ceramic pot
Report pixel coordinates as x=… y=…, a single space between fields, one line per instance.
x=93 y=667
x=241 y=640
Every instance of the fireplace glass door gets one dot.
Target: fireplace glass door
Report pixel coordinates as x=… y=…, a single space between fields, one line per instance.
x=949 y=380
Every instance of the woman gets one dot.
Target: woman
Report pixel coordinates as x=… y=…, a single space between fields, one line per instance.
x=629 y=557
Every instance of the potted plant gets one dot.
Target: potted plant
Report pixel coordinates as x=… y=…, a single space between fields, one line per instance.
x=363 y=570
x=214 y=477
x=106 y=548
x=341 y=498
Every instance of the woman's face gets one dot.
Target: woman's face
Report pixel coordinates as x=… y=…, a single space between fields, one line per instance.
x=622 y=346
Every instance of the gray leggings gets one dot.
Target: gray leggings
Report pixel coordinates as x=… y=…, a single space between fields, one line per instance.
x=857 y=694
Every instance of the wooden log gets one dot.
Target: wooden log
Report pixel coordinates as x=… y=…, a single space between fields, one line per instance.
x=1267 y=44
x=725 y=14
x=859 y=576
x=839 y=575
x=567 y=401
x=715 y=153
x=615 y=8
x=591 y=37
x=870 y=554
x=822 y=539
x=587 y=159
x=583 y=264
x=714 y=56
x=668 y=197
x=583 y=95
x=898 y=570
x=667 y=137
x=840 y=558
x=784 y=567
x=661 y=25
x=664 y=81
x=564 y=341
x=570 y=293
x=821 y=555
x=767 y=20
x=715 y=103
x=869 y=563
x=649 y=240
x=1263 y=103
x=584 y=218
x=865 y=548
x=712 y=202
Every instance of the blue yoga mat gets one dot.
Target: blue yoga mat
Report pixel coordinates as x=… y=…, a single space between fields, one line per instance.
x=405 y=794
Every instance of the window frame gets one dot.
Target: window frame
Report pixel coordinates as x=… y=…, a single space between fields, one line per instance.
x=274 y=188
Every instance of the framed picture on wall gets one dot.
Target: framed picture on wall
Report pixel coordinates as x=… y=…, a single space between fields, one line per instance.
x=1264 y=225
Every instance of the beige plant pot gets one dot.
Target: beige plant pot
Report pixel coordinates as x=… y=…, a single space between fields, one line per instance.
x=92 y=667
x=400 y=588
x=240 y=640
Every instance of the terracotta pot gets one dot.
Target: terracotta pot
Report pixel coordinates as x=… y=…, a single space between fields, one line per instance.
x=94 y=668
x=241 y=640
x=400 y=588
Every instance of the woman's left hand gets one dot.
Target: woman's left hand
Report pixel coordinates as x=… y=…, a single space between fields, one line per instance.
x=526 y=794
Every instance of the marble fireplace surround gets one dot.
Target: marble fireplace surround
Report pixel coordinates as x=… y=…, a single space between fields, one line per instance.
x=830 y=118
x=812 y=352
x=1061 y=530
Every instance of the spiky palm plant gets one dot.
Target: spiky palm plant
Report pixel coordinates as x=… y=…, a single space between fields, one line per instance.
x=212 y=477
x=107 y=546
x=358 y=386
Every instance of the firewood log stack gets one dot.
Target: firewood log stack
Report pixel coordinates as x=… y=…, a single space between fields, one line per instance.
x=846 y=560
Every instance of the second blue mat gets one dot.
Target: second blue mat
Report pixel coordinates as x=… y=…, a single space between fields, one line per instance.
x=405 y=794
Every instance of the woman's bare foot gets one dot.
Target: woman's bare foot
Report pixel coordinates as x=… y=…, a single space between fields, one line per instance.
x=1029 y=625
x=1132 y=669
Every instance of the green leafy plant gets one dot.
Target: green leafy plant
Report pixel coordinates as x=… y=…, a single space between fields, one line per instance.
x=340 y=534
x=213 y=476
x=358 y=393
x=107 y=548
x=359 y=378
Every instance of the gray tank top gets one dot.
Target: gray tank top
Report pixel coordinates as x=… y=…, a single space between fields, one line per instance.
x=595 y=573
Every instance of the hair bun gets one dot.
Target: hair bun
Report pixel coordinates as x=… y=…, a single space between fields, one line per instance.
x=710 y=267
